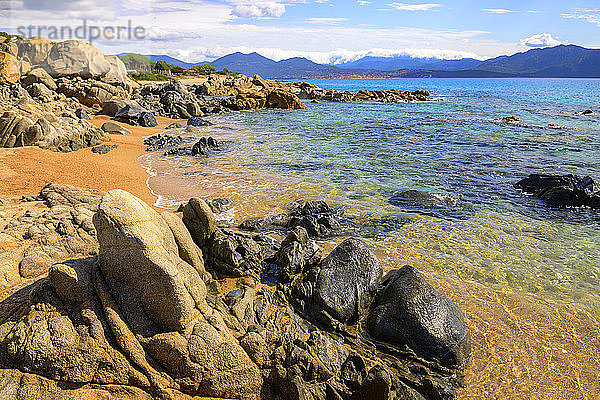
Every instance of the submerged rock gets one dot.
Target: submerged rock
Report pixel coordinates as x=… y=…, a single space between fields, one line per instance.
x=562 y=190
x=198 y=121
x=104 y=148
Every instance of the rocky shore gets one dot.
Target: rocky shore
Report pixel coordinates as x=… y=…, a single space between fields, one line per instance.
x=140 y=314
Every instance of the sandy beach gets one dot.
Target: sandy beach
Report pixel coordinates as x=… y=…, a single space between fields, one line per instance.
x=25 y=170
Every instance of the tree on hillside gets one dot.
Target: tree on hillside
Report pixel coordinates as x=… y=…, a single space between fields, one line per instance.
x=203 y=69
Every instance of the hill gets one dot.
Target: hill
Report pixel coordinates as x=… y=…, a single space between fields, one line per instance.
x=407 y=62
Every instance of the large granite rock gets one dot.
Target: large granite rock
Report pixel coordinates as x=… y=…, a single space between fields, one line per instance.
x=139 y=259
x=9 y=68
x=409 y=312
x=75 y=58
x=344 y=283
x=562 y=190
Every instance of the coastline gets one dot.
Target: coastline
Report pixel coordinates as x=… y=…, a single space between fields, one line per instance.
x=514 y=336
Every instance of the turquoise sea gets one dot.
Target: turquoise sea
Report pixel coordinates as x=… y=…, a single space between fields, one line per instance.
x=360 y=155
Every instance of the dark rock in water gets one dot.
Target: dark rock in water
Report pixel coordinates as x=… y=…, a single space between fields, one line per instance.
x=342 y=286
x=219 y=205
x=174 y=125
x=408 y=311
x=317 y=217
x=562 y=190
x=588 y=112
x=82 y=114
x=147 y=120
x=297 y=254
x=203 y=146
x=162 y=141
x=104 y=148
x=198 y=121
x=422 y=198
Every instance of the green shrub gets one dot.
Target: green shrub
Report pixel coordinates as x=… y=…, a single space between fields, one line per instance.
x=148 y=76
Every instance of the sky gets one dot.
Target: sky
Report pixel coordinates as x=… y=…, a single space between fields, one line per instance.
x=325 y=31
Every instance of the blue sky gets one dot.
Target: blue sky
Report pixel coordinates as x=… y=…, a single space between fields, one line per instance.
x=323 y=30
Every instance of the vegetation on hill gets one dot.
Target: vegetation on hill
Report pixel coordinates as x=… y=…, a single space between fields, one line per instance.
x=148 y=76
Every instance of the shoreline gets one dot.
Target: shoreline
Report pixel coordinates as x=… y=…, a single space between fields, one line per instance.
x=521 y=344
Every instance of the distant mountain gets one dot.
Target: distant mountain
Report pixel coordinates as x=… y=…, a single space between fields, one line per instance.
x=254 y=63
x=564 y=61
x=534 y=61
x=171 y=60
x=407 y=62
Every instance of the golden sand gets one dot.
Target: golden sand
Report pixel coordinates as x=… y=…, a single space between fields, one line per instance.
x=524 y=347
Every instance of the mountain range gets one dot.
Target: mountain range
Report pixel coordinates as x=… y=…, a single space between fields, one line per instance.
x=563 y=61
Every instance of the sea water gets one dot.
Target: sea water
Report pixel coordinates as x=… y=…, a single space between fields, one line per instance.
x=360 y=155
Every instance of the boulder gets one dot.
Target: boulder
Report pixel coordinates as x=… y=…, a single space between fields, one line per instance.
x=35 y=50
x=117 y=73
x=188 y=250
x=562 y=190
x=297 y=253
x=111 y=107
x=75 y=58
x=139 y=259
x=73 y=280
x=409 y=312
x=135 y=115
x=204 y=146
x=39 y=90
x=199 y=220
x=345 y=283
x=82 y=114
x=198 y=121
x=233 y=254
x=147 y=120
x=39 y=75
x=114 y=129
x=104 y=148
x=587 y=112
x=9 y=68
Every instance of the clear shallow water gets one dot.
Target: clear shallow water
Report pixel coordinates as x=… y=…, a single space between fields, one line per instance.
x=361 y=154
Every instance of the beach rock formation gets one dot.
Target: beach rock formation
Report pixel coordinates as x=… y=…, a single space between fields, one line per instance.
x=56 y=225
x=144 y=318
x=313 y=92
x=562 y=190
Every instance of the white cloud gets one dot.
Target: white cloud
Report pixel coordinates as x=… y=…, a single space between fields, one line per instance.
x=259 y=10
x=413 y=7
x=541 y=40
x=363 y=2
x=497 y=11
x=590 y=15
x=328 y=21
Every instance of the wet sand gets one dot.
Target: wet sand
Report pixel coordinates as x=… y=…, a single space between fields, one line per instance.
x=524 y=347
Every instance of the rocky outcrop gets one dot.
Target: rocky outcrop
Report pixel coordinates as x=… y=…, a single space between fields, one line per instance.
x=56 y=226
x=9 y=68
x=313 y=92
x=562 y=190
x=145 y=319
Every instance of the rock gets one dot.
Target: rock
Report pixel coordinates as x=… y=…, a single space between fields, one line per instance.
x=75 y=58
x=219 y=205
x=204 y=146
x=162 y=141
x=39 y=75
x=147 y=120
x=233 y=254
x=509 y=120
x=73 y=280
x=57 y=194
x=199 y=220
x=34 y=265
x=174 y=125
x=38 y=90
x=10 y=258
x=562 y=190
x=408 y=311
x=588 y=112
x=188 y=250
x=198 y=121
x=35 y=50
x=297 y=254
x=286 y=100
x=114 y=129
x=110 y=107
x=344 y=283
x=139 y=259
x=18 y=131
x=104 y=148
x=117 y=73
x=9 y=68
x=82 y=114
